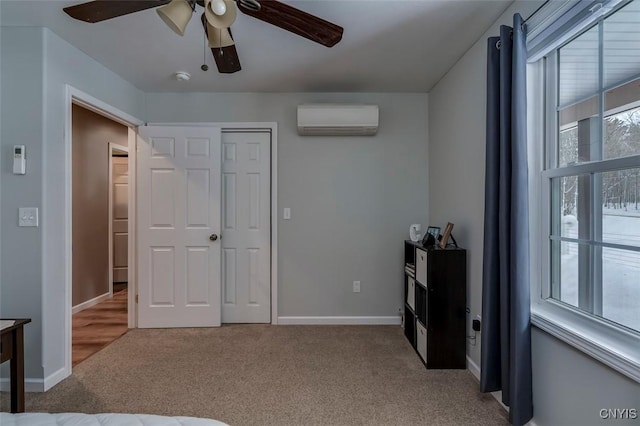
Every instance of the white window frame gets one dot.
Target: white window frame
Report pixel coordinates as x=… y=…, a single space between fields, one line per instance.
x=615 y=346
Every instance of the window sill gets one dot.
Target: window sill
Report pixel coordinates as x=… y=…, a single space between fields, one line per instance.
x=613 y=346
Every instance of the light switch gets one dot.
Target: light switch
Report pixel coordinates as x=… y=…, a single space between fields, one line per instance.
x=28 y=216
x=287 y=213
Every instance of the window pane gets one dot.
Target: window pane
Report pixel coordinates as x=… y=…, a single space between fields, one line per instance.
x=579 y=68
x=570 y=214
x=621 y=207
x=568 y=146
x=580 y=138
x=564 y=286
x=621 y=44
x=621 y=287
x=622 y=131
x=575 y=281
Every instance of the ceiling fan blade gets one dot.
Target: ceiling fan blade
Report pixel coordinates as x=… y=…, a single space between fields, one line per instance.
x=296 y=21
x=101 y=10
x=226 y=57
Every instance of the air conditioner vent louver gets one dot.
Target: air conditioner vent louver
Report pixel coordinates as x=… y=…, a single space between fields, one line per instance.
x=337 y=120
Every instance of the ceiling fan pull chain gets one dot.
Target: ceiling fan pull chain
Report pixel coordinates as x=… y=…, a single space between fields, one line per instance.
x=204 y=66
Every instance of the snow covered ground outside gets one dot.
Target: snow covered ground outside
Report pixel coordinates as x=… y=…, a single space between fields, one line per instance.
x=620 y=268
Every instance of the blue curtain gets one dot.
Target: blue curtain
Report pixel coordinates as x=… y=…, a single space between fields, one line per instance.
x=506 y=327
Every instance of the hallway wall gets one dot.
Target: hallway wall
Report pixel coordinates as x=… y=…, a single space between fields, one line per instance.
x=90 y=162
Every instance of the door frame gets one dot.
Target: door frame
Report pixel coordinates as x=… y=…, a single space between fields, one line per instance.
x=271 y=127
x=75 y=96
x=115 y=148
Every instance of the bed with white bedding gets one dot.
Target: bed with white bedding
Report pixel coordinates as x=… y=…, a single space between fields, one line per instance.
x=105 y=419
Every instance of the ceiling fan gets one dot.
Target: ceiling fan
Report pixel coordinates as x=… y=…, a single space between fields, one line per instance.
x=217 y=19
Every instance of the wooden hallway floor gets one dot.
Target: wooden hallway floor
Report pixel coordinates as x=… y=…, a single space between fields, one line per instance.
x=98 y=326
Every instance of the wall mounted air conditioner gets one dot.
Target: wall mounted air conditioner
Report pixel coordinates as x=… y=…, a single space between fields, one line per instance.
x=337 y=120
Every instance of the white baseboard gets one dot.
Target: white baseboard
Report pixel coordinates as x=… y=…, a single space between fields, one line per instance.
x=37 y=385
x=30 y=385
x=89 y=303
x=473 y=368
x=393 y=320
x=55 y=378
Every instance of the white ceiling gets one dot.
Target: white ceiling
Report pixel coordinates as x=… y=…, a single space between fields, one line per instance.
x=388 y=45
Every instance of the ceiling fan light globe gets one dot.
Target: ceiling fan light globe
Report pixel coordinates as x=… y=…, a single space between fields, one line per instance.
x=220 y=21
x=176 y=15
x=218 y=7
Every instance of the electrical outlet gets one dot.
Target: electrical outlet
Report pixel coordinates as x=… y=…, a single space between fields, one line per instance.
x=475 y=324
x=356 y=286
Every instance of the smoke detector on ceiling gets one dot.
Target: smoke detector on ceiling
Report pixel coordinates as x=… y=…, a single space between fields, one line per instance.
x=182 y=76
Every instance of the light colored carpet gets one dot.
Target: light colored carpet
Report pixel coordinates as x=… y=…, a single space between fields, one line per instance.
x=272 y=375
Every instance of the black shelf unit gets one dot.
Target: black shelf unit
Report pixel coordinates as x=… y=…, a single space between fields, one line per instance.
x=435 y=314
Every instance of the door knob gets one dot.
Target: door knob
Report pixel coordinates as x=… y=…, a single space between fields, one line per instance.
x=213 y=237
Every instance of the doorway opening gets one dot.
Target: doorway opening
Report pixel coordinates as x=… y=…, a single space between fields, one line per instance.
x=100 y=239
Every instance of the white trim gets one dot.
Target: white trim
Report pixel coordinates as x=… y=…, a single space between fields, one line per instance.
x=253 y=125
x=53 y=379
x=272 y=127
x=110 y=260
x=112 y=147
x=392 y=320
x=99 y=107
x=92 y=302
x=116 y=147
x=78 y=97
x=132 y=282
x=36 y=385
x=274 y=223
x=30 y=385
x=473 y=368
x=598 y=166
x=570 y=22
x=610 y=345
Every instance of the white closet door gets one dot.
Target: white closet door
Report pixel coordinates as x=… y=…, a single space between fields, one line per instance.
x=246 y=227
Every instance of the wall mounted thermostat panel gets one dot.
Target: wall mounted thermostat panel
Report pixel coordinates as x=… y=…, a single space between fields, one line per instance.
x=19 y=160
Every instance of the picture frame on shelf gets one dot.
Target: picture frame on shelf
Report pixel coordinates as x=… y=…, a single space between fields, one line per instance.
x=446 y=235
x=431 y=236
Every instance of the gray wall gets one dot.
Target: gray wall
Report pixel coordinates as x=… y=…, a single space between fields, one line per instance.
x=65 y=64
x=21 y=248
x=36 y=66
x=352 y=199
x=91 y=162
x=569 y=387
